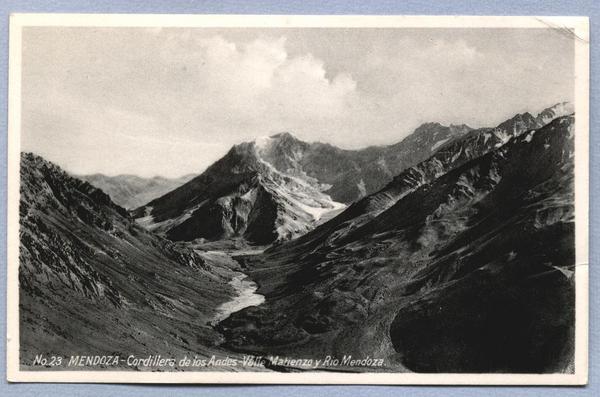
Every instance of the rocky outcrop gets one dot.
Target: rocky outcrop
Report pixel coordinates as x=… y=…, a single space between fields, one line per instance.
x=449 y=156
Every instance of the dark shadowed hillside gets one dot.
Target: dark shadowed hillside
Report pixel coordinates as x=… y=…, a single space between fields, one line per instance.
x=467 y=270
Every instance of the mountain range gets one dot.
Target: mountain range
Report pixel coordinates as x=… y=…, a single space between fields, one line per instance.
x=279 y=187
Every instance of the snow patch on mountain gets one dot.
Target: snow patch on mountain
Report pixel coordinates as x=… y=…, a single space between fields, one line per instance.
x=439 y=143
x=263 y=142
x=361 y=187
x=303 y=203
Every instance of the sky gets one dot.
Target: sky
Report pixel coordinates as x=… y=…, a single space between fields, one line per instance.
x=169 y=102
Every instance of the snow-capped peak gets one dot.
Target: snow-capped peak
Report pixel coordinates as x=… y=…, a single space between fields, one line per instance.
x=284 y=135
x=263 y=142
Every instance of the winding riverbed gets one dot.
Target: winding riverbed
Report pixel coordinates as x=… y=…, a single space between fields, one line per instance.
x=245 y=296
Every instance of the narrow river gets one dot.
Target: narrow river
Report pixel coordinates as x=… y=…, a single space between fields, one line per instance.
x=245 y=296
x=244 y=288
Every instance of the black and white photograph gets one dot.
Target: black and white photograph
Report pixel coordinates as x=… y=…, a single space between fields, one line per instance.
x=297 y=199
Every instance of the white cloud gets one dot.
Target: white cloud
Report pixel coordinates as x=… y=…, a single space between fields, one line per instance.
x=258 y=82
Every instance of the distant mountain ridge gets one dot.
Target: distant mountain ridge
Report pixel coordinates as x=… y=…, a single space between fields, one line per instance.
x=131 y=191
x=449 y=156
x=352 y=174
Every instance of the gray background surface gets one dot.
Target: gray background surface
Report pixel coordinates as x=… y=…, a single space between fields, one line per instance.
x=589 y=8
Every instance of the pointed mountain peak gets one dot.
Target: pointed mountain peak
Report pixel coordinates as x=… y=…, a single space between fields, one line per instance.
x=428 y=126
x=523 y=116
x=518 y=123
x=34 y=158
x=566 y=107
x=427 y=131
x=284 y=136
x=435 y=130
x=40 y=176
x=280 y=148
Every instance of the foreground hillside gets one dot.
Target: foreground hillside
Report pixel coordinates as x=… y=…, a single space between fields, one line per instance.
x=460 y=264
x=94 y=282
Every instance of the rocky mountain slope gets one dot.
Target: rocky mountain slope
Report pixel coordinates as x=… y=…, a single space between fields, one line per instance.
x=352 y=174
x=448 y=157
x=94 y=282
x=241 y=195
x=463 y=263
x=131 y=191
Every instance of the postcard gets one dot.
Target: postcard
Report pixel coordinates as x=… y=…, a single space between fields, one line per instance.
x=298 y=199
